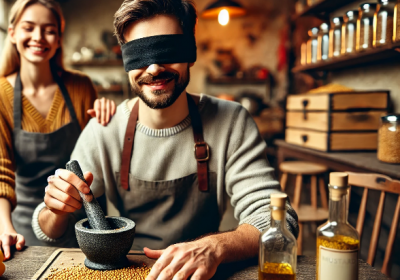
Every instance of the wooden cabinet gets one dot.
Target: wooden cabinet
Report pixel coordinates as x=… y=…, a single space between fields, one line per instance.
x=344 y=121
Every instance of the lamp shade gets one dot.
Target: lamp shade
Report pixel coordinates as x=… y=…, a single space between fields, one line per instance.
x=234 y=9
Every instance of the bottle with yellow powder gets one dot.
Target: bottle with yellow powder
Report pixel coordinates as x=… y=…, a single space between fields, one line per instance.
x=278 y=247
x=338 y=242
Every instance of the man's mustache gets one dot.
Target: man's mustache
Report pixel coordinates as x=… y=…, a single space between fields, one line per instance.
x=162 y=76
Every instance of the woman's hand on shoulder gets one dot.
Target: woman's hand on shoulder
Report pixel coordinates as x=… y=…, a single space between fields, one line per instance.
x=103 y=110
x=8 y=239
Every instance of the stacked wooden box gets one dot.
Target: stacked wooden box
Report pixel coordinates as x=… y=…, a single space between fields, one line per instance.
x=342 y=121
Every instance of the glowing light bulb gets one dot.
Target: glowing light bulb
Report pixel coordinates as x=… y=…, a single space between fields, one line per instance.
x=223 y=17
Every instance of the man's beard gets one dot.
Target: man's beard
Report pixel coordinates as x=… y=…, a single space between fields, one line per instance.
x=167 y=100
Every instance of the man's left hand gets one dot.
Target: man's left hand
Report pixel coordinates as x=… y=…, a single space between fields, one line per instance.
x=198 y=258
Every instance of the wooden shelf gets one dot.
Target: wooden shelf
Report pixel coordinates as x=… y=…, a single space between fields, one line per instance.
x=236 y=81
x=323 y=8
x=352 y=60
x=98 y=63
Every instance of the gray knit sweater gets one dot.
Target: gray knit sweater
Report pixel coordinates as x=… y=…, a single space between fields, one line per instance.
x=238 y=159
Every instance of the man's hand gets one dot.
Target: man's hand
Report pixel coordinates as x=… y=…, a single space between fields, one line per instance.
x=62 y=192
x=8 y=239
x=103 y=110
x=179 y=261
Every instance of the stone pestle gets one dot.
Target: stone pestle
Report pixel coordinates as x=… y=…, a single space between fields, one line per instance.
x=95 y=214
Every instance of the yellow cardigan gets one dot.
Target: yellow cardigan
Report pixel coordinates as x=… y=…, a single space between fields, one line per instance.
x=83 y=95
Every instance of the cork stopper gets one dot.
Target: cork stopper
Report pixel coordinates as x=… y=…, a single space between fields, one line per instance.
x=338 y=184
x=278 y=200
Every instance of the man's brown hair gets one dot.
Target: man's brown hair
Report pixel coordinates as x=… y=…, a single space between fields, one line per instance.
x=135 y=10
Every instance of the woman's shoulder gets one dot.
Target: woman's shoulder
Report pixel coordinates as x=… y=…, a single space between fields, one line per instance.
x=7 y=85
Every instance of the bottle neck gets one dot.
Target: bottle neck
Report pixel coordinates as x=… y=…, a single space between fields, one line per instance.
x=337 y=209
x=278 y=219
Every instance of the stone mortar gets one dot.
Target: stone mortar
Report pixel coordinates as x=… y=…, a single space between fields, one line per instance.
x=106 y=249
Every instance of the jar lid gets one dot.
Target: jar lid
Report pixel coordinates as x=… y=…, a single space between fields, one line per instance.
x=351 y=15
x=391 y=118
x=368 y=7
x=384 y=2
x=313 y=31
x=324 y=27
x=337 y=21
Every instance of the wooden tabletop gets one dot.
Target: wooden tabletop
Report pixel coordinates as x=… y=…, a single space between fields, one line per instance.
x=348 y=161
x=24 y=264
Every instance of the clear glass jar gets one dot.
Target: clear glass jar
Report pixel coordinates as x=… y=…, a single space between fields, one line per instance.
x=365 y=26
x=335 y=37
x=349 y=32
x=337 y=239
x=389 y=139
x=312 y=45
x=278 y=246
x=312 y=2
x=323 y=42
x=303 y=53
x=383 y=23
x=396 y=22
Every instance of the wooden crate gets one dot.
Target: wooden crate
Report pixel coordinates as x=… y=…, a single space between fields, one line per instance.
x=344 y=121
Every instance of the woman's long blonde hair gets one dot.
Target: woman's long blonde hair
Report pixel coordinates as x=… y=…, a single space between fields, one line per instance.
x=10 y=60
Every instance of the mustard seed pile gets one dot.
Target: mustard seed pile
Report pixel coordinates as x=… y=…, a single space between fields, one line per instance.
x=81 y=272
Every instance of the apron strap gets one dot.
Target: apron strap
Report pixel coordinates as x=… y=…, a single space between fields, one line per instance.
x=201 y=148
x=17 y=103
x=128 y=146
x=66 y=96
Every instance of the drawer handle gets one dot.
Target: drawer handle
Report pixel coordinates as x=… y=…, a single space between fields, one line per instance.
x=359 y=117
x=304 y=138
x=305 y=103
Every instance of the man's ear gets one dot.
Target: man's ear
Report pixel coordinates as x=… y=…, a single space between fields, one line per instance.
x=11 y=34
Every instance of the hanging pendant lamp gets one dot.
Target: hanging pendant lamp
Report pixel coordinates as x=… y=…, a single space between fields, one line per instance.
x=213 y=10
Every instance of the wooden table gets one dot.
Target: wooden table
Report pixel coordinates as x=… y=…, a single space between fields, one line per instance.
x=24 y=264
x=353 y=161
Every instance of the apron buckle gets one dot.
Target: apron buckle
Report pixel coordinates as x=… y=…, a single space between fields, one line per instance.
x=201 y=151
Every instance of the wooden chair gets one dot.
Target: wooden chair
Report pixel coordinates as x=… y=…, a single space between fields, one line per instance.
x=384 y=184
x=306 y=213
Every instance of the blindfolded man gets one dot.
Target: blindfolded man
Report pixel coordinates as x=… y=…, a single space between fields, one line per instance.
x=143 y=161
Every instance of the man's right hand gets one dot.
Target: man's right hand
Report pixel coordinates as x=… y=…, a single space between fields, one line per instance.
x=8 y=239
x=62 y=192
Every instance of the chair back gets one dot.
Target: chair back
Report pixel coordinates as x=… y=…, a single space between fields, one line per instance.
x=385 y=185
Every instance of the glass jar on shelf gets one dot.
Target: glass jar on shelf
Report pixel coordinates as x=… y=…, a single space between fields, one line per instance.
x=349 y=32
x=303 y=53
x=335 y=37
x=389 y=139
x=365 y=26
x=383 y=26
x=312 y=2
x=323 y=42
x=396 y=22
x=312 y=45
x=277 y=245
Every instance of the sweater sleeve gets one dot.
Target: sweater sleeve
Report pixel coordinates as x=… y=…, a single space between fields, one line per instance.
x=7 y=166
x=249 y=177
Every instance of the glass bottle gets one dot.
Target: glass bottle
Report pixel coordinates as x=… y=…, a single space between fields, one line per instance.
x=303 y=53
x=349 y=32
x=312 y=45
x=278 y=247
x=388 y=139
x=335 y=37
x=338 y=242
x=365 y=26
x=383 y=23
x=323 y=42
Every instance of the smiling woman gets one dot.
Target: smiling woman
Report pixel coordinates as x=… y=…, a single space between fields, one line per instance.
x=43 y=109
